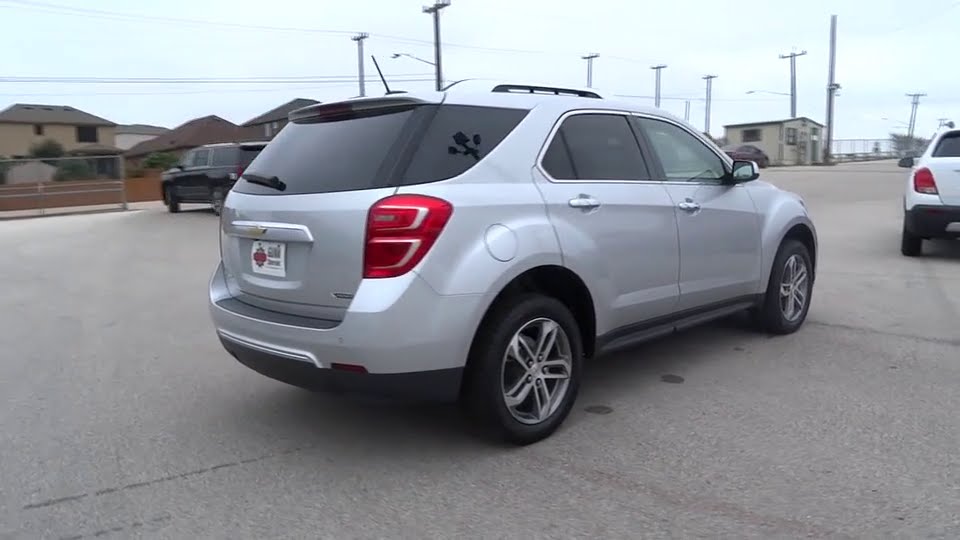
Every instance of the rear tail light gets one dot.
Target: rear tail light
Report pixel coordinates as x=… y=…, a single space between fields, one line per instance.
x=923 y=181
x=239 y=172
x=401 y=229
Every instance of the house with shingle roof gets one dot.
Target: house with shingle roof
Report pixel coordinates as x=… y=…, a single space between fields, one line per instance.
x=130 y=135
x=23 y=125
x=197 y=132
x=268 y=124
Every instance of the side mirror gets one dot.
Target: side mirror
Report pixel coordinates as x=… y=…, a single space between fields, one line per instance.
x=906 y=162
x=744 y=171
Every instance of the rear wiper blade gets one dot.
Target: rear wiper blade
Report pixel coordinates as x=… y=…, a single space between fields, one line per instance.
x=269 y=181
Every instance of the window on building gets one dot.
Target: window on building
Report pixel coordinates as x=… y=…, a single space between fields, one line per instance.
x=752 y=135
x=87 y=134
x=37 y=129
x=791 y=136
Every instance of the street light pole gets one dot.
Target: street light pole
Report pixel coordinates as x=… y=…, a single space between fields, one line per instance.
x=793 y=80
x=706 y=122
x=832 y=88
x=589 y=58
x=435 y=11
x=656 y=98
x=359 y=39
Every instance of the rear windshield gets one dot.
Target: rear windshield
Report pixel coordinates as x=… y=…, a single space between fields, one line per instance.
x=230 y=156
x=949 y=145
x=407 y=146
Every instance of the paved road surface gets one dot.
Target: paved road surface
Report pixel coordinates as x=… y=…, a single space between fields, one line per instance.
x=123 y=418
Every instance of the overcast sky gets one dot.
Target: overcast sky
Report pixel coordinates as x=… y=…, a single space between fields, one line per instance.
x=886 y=48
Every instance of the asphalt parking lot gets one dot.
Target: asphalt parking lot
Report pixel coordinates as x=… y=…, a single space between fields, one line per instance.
x=122 y=416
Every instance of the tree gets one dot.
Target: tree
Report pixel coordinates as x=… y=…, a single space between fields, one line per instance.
x=48 y=148
x=904 y=144
x=72 y=169
x=160 y=160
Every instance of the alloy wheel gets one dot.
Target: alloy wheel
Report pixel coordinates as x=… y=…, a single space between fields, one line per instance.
x=535 y=371
x=794 y=288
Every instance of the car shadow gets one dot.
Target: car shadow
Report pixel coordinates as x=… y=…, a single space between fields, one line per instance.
x=378 y=426
x=948 y=250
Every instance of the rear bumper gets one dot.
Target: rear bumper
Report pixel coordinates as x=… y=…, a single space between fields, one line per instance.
x=932 y=221
x=411 y=341
x=441 y=385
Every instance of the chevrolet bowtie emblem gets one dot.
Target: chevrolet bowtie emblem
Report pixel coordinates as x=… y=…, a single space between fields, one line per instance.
x=257 y=230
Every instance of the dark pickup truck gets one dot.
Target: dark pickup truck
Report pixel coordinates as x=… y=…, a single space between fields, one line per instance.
x=205 y=174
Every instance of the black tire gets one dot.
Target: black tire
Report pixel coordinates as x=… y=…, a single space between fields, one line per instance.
x=216 y=200
x=170 y=199
x=483 y=394
x=911 y=245
x=769 y=315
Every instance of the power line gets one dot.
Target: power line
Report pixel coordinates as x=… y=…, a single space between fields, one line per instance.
x=195 y=80
x=338 y=84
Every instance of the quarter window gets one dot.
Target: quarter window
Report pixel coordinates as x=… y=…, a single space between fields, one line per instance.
x=682 y=155
x=595 y=147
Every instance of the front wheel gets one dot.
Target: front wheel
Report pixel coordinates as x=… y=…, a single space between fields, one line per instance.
x=171 y=200
x=216 y=200
x=787 y=300
x=524 y=368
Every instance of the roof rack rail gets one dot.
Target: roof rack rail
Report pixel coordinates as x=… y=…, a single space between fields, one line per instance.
x=532 y=89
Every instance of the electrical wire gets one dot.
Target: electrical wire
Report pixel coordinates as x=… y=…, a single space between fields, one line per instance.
x=196 y=80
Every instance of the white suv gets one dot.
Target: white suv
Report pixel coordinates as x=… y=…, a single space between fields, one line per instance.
x=931 y=201
x=482 y=246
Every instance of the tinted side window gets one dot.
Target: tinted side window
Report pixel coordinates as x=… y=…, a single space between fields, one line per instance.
x=457 y=138
x=224 y=157
x=200 y=158
x=682 y=155
x=556 y=160
x=949 y=145
x=603 y=147
x=341 y=154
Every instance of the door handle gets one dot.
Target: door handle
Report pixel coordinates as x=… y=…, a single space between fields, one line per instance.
x=585 y=202
x=689 y=206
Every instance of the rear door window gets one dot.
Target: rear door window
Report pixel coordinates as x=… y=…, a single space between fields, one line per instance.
x=328 y=156
x=457 y=138
x=595 y=147
x=224 y=157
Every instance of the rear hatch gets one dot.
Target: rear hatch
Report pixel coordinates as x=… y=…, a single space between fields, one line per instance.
x=294 y=226
x=944 y=163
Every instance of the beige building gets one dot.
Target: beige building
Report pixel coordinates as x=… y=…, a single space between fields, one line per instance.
x=22 y=125
x=131 y=135
x=794 y=141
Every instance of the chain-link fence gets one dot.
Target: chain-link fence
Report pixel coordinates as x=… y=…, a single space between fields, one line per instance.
x=40 y=184
x=876 y=149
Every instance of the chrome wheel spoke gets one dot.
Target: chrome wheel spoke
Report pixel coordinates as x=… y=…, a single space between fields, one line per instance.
x=516 y=351
x=547 y=339
x=520 y=393
x=543 y=399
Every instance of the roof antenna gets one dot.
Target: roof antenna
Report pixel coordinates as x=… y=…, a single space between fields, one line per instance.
x=382 y=78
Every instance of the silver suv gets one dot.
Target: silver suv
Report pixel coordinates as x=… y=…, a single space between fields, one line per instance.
x=482 y=245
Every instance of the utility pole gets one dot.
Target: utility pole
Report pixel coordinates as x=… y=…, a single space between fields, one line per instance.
x=359 y=39
x=941 y=122
x=686 y=111
x=435 y=11
x=706 y=122
x=589 y=58
x=914 y=102
x=793 y=80
x=656 y=99
x=832 y=88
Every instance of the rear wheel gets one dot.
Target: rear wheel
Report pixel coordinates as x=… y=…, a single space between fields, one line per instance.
x=524 y=369
x=171 y=200
x=787 y=300
x=911 y=245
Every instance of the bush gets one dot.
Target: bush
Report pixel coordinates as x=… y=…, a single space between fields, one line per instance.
x=47 y=149
x=160 y=160
x=74 y=170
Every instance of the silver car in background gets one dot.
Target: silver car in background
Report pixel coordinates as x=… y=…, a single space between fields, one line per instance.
x=482 y=244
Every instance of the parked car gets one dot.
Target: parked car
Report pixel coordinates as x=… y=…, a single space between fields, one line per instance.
x=481 y=246
x=748 y=152
x=205 y=174
x=931 y=200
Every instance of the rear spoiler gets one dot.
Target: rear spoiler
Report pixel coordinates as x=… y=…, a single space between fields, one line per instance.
x=351 y=107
